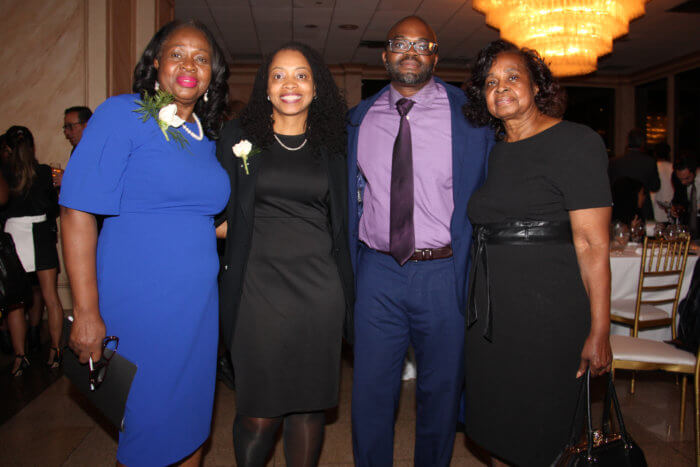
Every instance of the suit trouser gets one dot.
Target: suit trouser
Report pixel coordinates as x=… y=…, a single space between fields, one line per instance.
x=395 y=305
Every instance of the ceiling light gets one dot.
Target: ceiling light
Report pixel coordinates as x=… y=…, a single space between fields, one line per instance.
x=569 y=34
x=348 y=27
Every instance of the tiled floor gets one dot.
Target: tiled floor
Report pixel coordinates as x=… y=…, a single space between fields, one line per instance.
x=59 y=429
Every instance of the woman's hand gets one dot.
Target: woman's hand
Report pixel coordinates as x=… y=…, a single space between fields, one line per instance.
x=86 y=337
x=596 y=354
x=636 y=222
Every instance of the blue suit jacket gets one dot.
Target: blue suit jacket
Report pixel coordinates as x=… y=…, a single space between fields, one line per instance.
x=470 y=149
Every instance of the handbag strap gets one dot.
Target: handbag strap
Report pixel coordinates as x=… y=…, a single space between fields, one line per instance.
x=589 y=422
x=606 y=408
x=576 y=422
x=610 y=397
x=618 y=412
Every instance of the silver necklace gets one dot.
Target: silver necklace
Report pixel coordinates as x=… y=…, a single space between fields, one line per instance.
x=199 y=127
x=287 y=147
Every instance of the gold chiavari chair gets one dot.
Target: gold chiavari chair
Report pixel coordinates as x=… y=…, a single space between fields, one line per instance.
x=638 y=354
x=661 y=274
x=660 y=278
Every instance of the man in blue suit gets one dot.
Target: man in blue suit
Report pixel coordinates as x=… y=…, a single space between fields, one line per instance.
x=413 y=163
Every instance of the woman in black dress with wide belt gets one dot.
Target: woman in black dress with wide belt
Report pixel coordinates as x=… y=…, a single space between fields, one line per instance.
x=286 y=283
x=540 y=298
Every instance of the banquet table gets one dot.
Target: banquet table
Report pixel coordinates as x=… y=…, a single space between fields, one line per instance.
x=624 y=268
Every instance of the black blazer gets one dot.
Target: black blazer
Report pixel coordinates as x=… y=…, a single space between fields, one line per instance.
x=240 y=212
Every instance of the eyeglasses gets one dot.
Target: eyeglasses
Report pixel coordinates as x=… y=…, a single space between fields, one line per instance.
x=69 y=126
x=402 y=46
x=98 y=370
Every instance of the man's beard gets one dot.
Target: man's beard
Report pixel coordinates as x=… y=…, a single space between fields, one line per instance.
x=423 y=75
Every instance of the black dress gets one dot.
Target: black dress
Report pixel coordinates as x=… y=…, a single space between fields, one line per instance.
x=287 y=339
x=40 y=199
x=521 y=387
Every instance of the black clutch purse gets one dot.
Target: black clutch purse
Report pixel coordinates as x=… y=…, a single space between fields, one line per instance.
x=601 y=448
x=110 y=397
x=14 y=282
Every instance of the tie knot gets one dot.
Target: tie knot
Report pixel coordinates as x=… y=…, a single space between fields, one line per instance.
x=404 y=106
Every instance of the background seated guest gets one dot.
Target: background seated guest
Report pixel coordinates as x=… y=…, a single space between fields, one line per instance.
x=74 y=122
x=286 y=286
x=628 y=197
x=639 y=165
x=539 y=310
x=30 y=218
x=150 y=278
x=686 y=189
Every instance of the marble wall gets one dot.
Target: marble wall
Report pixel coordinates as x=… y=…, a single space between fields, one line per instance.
x=61 y=53
x=44 y=71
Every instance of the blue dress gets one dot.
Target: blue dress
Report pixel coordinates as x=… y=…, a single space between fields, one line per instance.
x=156 y=271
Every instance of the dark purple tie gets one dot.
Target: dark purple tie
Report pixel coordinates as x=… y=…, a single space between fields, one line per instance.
x=402 y=242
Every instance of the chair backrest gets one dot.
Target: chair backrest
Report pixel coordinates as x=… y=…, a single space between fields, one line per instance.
x=662 y=269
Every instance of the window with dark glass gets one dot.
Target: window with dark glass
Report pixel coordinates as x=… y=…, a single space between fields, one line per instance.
x=687 y=121
x=594 y=107
x=651 y=111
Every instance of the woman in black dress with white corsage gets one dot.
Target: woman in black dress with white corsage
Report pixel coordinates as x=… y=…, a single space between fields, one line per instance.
x=540 y=298
x=286 y=284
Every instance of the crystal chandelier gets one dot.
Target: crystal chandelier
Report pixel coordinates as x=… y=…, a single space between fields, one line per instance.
x=569 y=34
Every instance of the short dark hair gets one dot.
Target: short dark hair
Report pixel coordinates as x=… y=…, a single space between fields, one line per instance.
x=635 y=138
x=550 y=99
x=327 y=113
x=662 y=151
x=84 y=113
x=145 y=75
x=686 y=161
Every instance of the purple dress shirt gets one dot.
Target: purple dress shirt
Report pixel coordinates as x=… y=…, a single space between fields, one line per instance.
x=431 y=143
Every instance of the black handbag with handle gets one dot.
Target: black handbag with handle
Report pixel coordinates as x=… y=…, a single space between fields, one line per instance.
x=601 y=448
x=14 y=282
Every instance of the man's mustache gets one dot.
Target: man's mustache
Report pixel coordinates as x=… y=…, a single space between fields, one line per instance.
x=413 y=58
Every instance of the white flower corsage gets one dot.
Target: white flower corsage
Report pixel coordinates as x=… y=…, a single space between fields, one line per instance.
x=243 y=150
x=168 y=117
x=163 y=110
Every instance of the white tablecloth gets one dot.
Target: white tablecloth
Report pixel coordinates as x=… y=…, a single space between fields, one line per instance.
x=624 y=267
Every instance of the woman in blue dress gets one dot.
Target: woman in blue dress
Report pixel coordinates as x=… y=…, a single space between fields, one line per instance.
x=150 y=277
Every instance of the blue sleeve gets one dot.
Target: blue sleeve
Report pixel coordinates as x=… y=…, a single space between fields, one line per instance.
x=94 y=177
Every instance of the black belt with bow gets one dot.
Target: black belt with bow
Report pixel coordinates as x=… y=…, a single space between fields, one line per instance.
x=506 y=233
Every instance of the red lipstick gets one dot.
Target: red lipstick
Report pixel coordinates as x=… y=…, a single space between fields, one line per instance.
x=186 y=81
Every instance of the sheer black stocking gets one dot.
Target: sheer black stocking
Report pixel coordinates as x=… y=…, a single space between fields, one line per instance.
x=303 y=437
x=254 y=439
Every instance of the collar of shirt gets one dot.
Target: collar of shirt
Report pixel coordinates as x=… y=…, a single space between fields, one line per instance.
x=423 y=98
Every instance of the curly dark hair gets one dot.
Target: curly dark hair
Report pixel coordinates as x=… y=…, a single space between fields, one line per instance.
x=550 y=99
x=325 y=125
x=145 y=75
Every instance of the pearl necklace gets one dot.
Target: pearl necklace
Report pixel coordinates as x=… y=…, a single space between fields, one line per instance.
x=199 y=126
x=287 y=147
